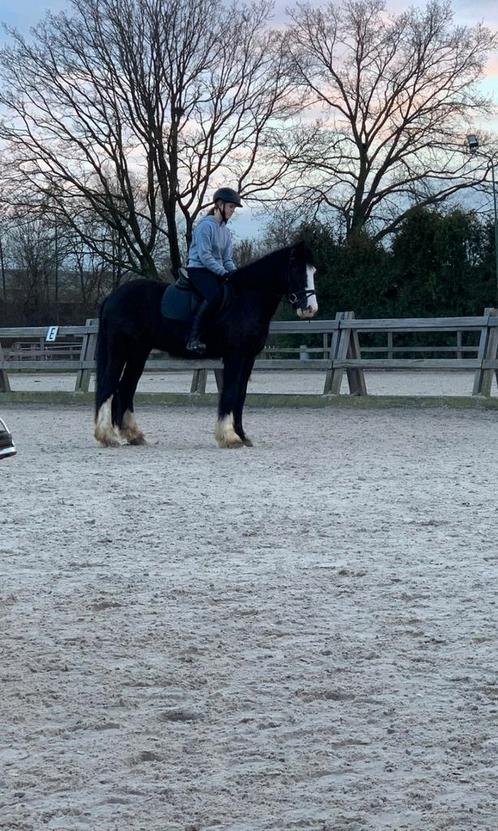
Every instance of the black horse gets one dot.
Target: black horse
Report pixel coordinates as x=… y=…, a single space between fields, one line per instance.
x=131 y=324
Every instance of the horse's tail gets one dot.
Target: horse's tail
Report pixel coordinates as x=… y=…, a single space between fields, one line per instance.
x=101 y=359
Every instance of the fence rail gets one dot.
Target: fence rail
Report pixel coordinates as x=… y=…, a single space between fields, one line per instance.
x=341 y=352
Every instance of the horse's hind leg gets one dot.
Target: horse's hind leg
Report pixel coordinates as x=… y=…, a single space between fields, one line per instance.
x=127 y=425
x=105 y=431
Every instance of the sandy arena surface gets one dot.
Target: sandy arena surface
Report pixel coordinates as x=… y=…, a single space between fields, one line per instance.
x=298 y=636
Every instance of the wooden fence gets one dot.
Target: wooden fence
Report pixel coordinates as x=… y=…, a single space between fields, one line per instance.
x=72 y=349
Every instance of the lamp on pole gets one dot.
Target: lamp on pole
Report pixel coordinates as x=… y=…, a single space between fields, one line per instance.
x=473 y=147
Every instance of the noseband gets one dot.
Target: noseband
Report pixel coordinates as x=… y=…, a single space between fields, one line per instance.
x=299 y=298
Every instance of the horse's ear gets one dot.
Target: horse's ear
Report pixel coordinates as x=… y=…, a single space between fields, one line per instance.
x=296 y=250
x=305 y=251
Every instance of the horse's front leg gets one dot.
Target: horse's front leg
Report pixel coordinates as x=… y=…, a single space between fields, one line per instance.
x=239 y=406
x=229 y=408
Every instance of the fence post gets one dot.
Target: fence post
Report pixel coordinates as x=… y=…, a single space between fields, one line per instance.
x=333 y=377
x=356 y=375
x=488 y=348
x=4 y=377
x=88 y=347
x=345 y=344
x=218 y=374
x=198 y=385
x=199 y=380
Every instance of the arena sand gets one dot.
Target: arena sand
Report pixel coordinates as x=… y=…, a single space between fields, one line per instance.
x=298 y=636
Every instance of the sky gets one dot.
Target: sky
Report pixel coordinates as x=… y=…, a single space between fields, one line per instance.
x=22 y=14
x=25 y=13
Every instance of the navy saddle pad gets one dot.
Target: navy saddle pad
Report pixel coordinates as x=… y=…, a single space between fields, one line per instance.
x=179 y=303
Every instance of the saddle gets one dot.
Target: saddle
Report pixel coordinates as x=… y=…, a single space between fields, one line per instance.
x=180 y=301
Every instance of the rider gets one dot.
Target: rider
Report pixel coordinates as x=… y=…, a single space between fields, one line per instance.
x=210 y=259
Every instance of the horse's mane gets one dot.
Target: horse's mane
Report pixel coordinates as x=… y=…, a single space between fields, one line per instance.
x=267 y=259
x=264 y=267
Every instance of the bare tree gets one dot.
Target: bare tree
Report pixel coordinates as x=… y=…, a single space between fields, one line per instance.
x=92 y=274
x=393 y=98
x=32 y=259
x=2 y=269
x=132 y=110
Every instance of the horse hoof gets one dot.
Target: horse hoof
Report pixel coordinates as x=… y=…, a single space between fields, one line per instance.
x=225 y=434
x=246 y=441
x=108 y=441
x=233 y=445
x=138 y=440
x=229 y=443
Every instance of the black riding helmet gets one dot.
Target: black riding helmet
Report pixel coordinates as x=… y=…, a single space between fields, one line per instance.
x=227 y=195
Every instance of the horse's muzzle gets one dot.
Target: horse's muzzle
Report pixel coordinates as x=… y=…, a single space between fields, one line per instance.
x=309 y=311
x=304 y=302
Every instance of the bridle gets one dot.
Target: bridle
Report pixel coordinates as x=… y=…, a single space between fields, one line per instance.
x=299 y=298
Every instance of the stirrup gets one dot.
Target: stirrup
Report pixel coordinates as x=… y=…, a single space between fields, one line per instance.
x=196 y=347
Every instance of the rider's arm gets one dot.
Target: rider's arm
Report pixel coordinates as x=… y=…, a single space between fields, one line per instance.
x=228 y=255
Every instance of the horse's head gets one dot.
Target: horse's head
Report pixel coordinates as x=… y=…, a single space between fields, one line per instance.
x=301 y=283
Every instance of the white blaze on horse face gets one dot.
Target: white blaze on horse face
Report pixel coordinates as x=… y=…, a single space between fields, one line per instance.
x=312 y=306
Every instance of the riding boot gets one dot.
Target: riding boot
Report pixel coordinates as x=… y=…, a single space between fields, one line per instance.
x=194 y=343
